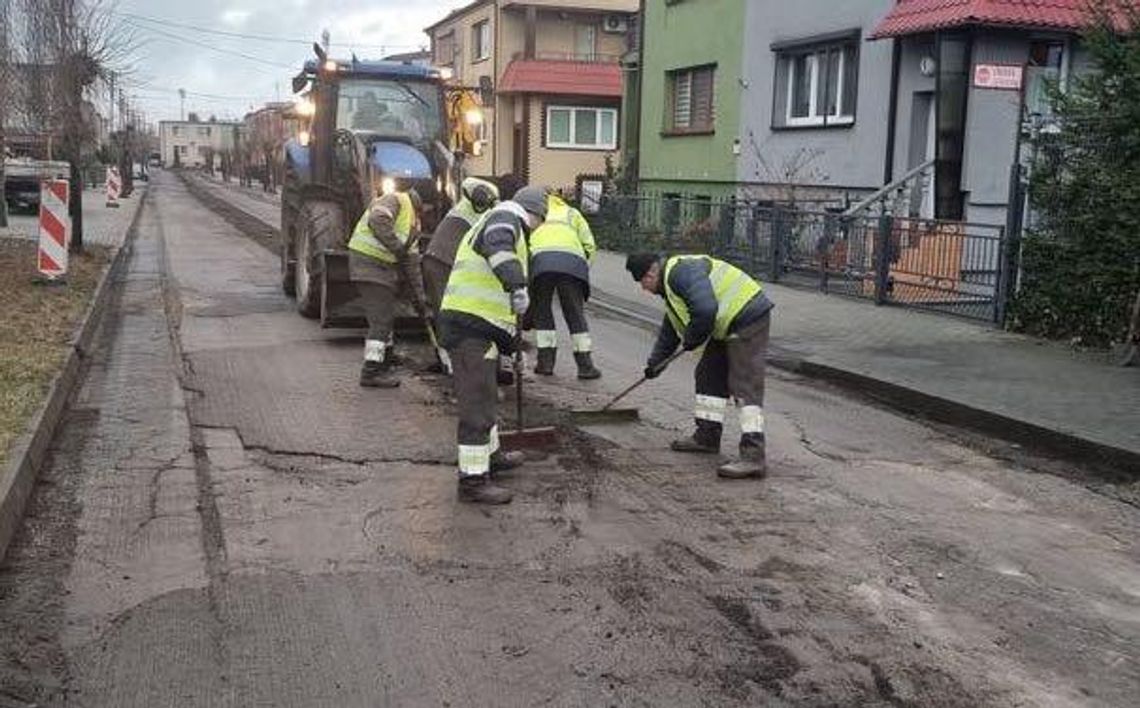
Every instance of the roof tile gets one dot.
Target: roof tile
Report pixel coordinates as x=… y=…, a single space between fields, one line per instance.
x=918 y=16
x=565 y=78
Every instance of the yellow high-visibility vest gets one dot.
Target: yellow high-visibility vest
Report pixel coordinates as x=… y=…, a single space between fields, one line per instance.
x=565 y=231
x=473 y=288
x=733 y=288
x=363 y=241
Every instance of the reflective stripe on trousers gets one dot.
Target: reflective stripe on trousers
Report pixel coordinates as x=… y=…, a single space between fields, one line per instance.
x=546 y=338
x=582 y=342
x=474 y=460
x=751 y=419
x=711 y=408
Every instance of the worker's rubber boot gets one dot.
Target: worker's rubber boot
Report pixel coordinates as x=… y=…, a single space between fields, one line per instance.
x=479 y=489
x=505 y=460
x=545 y=364
x=752 y=463
x=378 y=374
x=586 y=369
x=705 y=439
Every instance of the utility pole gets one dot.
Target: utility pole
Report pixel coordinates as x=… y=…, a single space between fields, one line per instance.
x=325 y=39
x=182 y=99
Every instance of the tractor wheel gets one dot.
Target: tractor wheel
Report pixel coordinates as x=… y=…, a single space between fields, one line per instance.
x=288 y=249
x=321 y=226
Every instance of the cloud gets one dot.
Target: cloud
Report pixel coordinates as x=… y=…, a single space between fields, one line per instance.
x=172 y=58
x=235 y=17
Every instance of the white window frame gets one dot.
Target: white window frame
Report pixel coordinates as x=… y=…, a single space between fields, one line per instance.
x=598 y=111
x=480 y=49
x=814 y=117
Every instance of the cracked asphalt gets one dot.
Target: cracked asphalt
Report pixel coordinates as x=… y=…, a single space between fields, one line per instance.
x=227 y=519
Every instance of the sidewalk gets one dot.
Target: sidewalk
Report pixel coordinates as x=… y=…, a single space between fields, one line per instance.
x=1005 y=383
x=101 y=226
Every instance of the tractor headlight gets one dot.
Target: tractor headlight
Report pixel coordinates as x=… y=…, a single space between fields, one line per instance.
x=446 y=73
x=473 y=116
x=387 y=185
x=303 y=137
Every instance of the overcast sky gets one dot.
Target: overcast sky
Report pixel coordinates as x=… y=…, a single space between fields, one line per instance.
x=221 y=83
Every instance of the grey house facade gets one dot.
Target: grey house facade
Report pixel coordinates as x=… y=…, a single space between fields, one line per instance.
x=838 y=99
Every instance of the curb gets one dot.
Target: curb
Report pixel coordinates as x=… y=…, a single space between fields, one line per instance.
x=1121 y=464
x=18 y=477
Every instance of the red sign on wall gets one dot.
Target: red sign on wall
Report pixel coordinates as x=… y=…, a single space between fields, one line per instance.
x=1006 y=77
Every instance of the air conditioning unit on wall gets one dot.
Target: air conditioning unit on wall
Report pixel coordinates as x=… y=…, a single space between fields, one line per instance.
x=617 y=24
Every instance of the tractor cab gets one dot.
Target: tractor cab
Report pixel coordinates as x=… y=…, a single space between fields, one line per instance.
x=368 y=128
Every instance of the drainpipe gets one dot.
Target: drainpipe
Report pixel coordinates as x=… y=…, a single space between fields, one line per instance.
x=892 y=117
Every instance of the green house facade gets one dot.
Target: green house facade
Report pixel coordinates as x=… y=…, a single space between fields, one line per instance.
x=691 y=65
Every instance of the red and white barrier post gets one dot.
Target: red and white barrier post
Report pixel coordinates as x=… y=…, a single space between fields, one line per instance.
x=114 y=187
x=55 y=228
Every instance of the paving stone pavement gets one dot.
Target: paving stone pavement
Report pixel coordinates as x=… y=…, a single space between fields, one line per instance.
x=101 y=225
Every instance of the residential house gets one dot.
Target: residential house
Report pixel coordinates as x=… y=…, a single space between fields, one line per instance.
x=832 y=100
x=550 y=76
x=420 y=57
x=190 y=143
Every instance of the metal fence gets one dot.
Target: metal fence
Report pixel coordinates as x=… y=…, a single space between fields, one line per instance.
x=951 y=267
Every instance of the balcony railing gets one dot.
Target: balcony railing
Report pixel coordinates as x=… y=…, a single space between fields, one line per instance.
x=591 y=58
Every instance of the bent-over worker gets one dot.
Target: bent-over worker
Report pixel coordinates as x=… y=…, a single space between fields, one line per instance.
x=382 y=258
x=561 y=252
x=712 y=303
x=476 y=197
x=486 y=295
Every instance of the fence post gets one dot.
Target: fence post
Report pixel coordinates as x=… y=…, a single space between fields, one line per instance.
x=883 y=258
x=776 y=244
x=1009 y=250
x=824 y=248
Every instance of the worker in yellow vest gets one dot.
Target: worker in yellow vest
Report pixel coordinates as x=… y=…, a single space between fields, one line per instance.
x=713 y=304
x=485 y=299
x=382 y=258
x=476 y=197
x=561 y=251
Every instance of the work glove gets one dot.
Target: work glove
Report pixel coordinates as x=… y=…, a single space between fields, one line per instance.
x=520 y=301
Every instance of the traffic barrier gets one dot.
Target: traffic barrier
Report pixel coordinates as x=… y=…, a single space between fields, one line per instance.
x=114 y=187
x=55 y=228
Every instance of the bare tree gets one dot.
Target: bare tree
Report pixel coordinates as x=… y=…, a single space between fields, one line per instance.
x=82 y=41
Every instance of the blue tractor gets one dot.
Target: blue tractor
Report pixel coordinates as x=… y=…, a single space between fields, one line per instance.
x=368 y=127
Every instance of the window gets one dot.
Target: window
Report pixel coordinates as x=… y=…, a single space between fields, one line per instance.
x=818 y=84
x=1046 y=68
x=581 y=128
x=481 y=41
x=445 y=49
x=585 y=42
x=690 y=106
x=175 y=130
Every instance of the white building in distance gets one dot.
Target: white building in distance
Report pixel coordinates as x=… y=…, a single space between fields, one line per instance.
x=187 y=143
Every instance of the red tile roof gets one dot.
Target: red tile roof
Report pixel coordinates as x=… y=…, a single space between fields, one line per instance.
x=918 y=16
x=565 y=78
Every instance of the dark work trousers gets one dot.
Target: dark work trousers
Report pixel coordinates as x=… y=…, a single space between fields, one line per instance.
x=475 y=362
x=379 y=303
x=435 y=274
x=736 y=367
x=571 y=294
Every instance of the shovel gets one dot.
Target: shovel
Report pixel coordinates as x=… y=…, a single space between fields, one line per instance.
x=421 y=310
x=524 y=438
x=609 y=414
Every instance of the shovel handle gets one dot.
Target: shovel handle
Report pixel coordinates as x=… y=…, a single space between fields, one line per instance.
x=664 y=365
x=518 y=372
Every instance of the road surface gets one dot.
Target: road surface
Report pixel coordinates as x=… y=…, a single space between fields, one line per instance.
x=227 y=519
